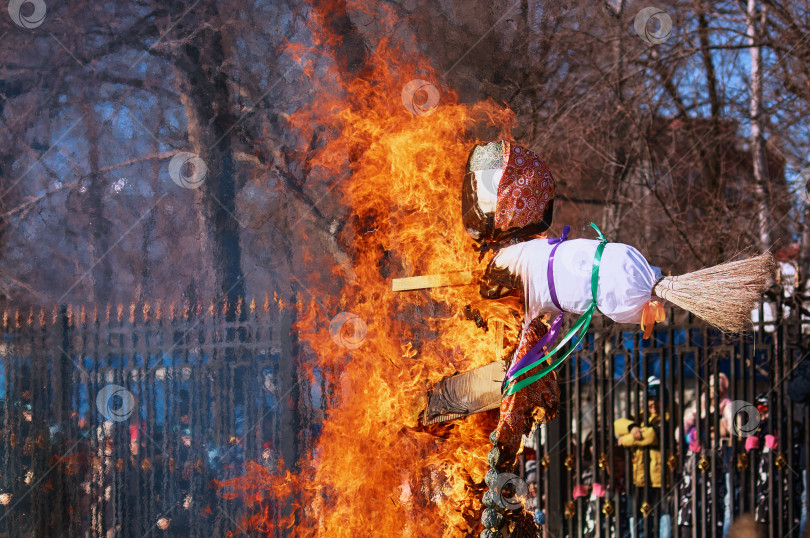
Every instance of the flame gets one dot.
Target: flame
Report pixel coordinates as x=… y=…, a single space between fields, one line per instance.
x=374 y=471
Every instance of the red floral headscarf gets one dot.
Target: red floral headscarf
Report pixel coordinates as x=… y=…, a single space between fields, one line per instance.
x=525 y=194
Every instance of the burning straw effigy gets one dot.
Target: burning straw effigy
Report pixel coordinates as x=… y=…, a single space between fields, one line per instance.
x=507 y=203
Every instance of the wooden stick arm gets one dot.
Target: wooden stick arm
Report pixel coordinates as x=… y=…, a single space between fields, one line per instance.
x=461 y=278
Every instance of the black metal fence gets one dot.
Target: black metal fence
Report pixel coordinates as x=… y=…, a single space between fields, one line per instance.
x=700 y=458
x=115 y=422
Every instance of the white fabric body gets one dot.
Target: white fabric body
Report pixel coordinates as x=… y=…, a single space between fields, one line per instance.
x=626 y=279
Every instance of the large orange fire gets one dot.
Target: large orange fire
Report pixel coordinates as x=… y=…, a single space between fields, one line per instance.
x=374 y=471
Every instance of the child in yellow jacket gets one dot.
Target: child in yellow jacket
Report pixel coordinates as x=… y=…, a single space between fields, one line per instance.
x=641 y=436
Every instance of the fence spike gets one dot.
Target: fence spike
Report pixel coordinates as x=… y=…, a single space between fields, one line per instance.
x=31 y=316
x=132 y=312
x=42 y=316
x=146 y=308
x=120 y=312
x=83 y=315
x=253 y=304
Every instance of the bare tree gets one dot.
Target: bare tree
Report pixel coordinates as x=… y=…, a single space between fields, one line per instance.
x=757 y=137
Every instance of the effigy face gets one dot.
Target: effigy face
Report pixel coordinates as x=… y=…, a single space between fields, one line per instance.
x=507 y=193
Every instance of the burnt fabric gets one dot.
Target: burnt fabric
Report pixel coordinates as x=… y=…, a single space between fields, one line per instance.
x=500 y=282
x=507 y=194
x=536 y=404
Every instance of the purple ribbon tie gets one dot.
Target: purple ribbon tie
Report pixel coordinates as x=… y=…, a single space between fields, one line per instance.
x=554 y=330
x=539 y=348
x=550 y=271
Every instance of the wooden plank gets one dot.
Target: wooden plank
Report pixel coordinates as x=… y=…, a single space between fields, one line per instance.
x=461 y=278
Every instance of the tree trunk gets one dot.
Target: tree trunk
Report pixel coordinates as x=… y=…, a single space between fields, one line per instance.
x=205 y=95
x=612 y=216
x=101 y=272
x=757 y=139
x=711 y=158
x=145 y=289
x=802 y=280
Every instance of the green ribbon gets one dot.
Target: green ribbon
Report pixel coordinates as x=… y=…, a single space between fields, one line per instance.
x=580 y=326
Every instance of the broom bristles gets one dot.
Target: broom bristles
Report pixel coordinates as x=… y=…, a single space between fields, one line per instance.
x=723 y=295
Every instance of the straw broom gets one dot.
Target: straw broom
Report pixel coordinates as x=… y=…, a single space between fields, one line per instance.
x=723 y=295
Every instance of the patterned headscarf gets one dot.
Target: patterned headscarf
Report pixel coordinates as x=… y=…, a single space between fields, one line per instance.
x=507 y=194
